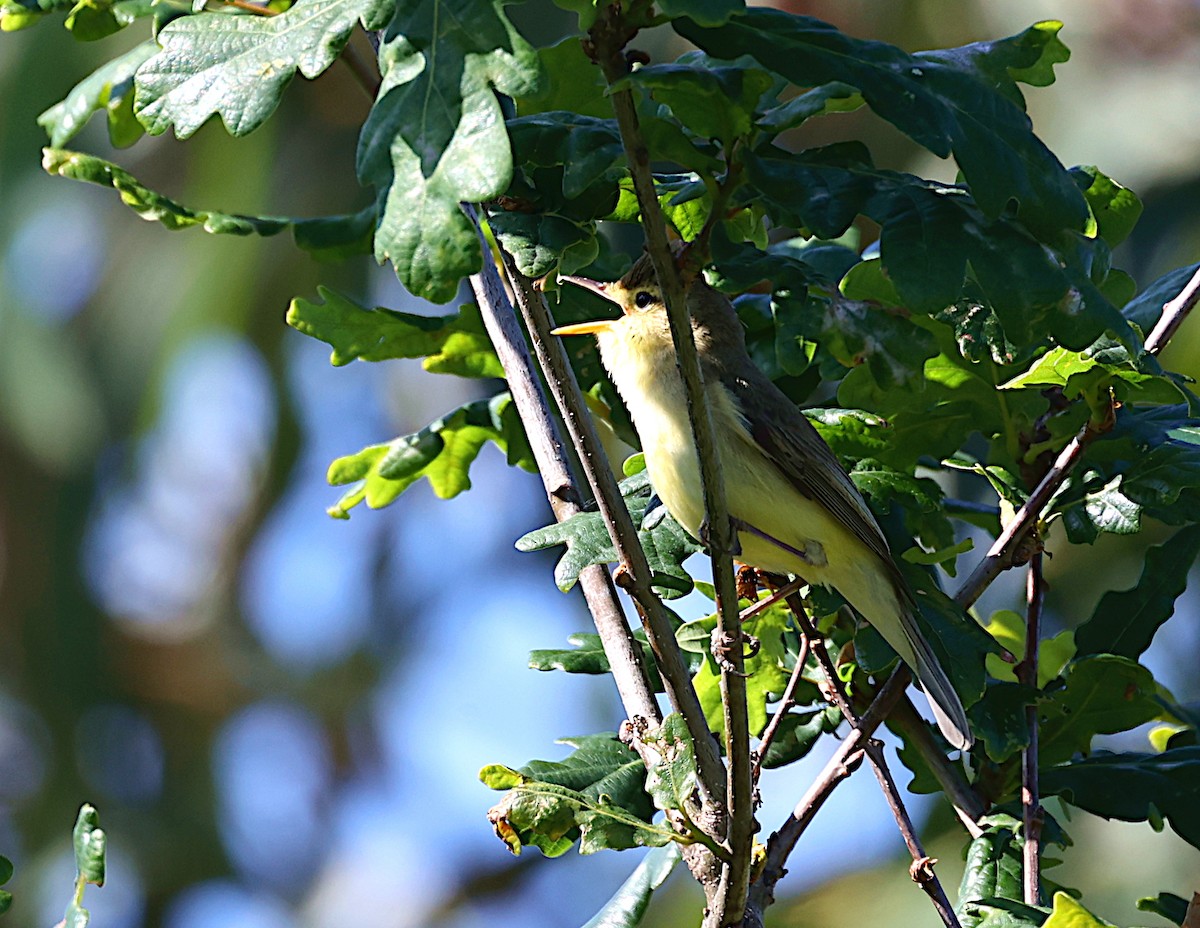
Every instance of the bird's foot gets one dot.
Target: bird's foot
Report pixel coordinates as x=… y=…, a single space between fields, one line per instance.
x=735 y=545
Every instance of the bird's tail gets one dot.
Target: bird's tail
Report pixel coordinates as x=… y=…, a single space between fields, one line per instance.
x=947 y=707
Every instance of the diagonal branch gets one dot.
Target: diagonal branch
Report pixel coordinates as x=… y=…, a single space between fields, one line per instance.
x=562 y=384
x=622 y=650
x=999 y=558
x=922 y=867
x=1004 y=553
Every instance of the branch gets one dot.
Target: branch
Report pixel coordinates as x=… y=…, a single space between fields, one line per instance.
x=968 y=804
x=1003 y=554
x=844 y=761
x=786 y=703
x=636 y=576
x=624 y=654
x=609 y=36
x=1027 y=673
x=922 y=867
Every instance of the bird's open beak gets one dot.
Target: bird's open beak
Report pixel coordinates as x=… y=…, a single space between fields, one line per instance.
x=587 y=328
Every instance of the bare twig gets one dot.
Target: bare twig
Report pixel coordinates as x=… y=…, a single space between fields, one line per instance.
x=566 y=392
x=609 y=36
x=1027 y=673
x=786 y=703
x=1173 y=314
x=922 y=870
x=365 y=71
x=837 y=768
x=968 y=805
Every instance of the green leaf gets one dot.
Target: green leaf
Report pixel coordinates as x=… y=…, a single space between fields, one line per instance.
x=108 y=88
x=1165 y=905
x=456 y=344
x=588 y=148
x=6 y=872
x=834 y=97
x=705 y=12
x=21 y=14
x=993 y=869
x=1124 y=622
x=442 y=452
x=588 y=656
x=1007 y=628
x=798 y=733
x=1134 y=787
x=1146 y=464
x=666 y=544
x=672 y=781
x=328 y=236
x=90 y=20
x=998 y=719
x=151 y=205
x=89 y=843
x=1028 y=57
x=711 y=100
x=540 y=242
x=932 y=236
x=628 y=904
x=1068 y=913
x=435 y=136
x=572 y=83
x=237 y=66
x=944 y=102
x=600 y=766
x=767 y=670
x=1116 y=209
x=595 y=795
x=1103 y=694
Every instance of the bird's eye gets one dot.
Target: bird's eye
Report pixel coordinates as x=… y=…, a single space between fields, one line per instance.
x=643 y=299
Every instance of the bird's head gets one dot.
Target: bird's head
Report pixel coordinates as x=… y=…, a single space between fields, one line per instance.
x=643 y=318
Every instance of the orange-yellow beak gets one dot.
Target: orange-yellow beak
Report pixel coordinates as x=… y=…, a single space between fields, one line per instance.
x=587 y=328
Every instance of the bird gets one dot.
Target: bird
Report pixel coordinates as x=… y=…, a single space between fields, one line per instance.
x=795 y=509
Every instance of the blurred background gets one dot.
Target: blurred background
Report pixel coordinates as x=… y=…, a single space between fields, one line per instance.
x=280 y=716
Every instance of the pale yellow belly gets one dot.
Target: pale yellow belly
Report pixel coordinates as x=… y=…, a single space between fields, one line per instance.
x=759 y=495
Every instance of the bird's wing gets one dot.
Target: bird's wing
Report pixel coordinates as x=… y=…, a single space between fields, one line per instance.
x=794 y=445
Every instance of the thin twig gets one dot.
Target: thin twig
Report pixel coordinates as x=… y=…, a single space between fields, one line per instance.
x=365 y=71
x=636 y=575
x=968 y=804
x=922 y=869
x=609 y=36
x=837 y=768
x=786 y=703
x=767 y=602
x=1173 y=314
x=1027 y=673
